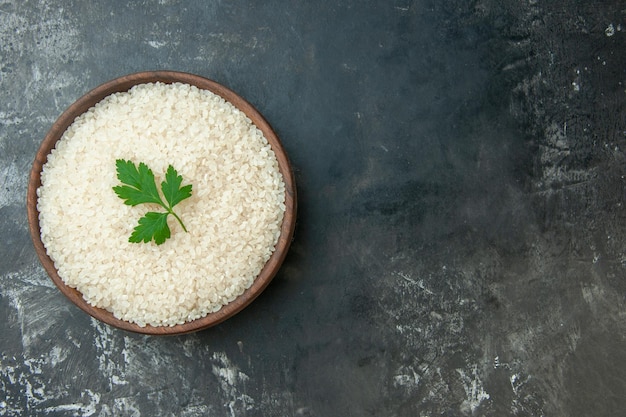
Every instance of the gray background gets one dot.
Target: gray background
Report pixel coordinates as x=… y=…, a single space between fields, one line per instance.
x=460 y=241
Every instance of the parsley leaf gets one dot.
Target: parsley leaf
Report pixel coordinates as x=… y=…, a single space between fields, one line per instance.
x=171 y=187
x=139 y=188
x=152 y=225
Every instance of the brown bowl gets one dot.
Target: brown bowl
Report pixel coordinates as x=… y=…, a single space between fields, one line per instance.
x=124 y=84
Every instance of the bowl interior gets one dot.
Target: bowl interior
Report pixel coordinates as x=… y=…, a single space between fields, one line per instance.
x=124 y=84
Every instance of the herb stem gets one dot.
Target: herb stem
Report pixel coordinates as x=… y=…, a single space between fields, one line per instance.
x=179 y=220
x=171 y=211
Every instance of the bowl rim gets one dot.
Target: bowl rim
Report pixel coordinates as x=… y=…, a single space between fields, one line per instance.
x=124 y=83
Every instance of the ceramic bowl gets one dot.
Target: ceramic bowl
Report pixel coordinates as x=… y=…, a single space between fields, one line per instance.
x=125 y=83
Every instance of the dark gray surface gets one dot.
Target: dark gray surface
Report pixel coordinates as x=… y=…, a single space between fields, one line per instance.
x=461 y=234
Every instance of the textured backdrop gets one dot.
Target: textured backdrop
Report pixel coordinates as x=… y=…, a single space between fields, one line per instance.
x=460 y=247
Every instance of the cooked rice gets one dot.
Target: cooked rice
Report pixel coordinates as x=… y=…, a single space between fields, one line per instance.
x=233 y=216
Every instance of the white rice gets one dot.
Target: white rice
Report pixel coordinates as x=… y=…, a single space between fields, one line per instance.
x=233 y=216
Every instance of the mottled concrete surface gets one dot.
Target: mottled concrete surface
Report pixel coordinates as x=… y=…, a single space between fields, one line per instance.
x=461 y=240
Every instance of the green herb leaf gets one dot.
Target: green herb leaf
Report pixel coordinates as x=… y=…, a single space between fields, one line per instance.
x=140 y=187
x=171 y=187
x=152 y=225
